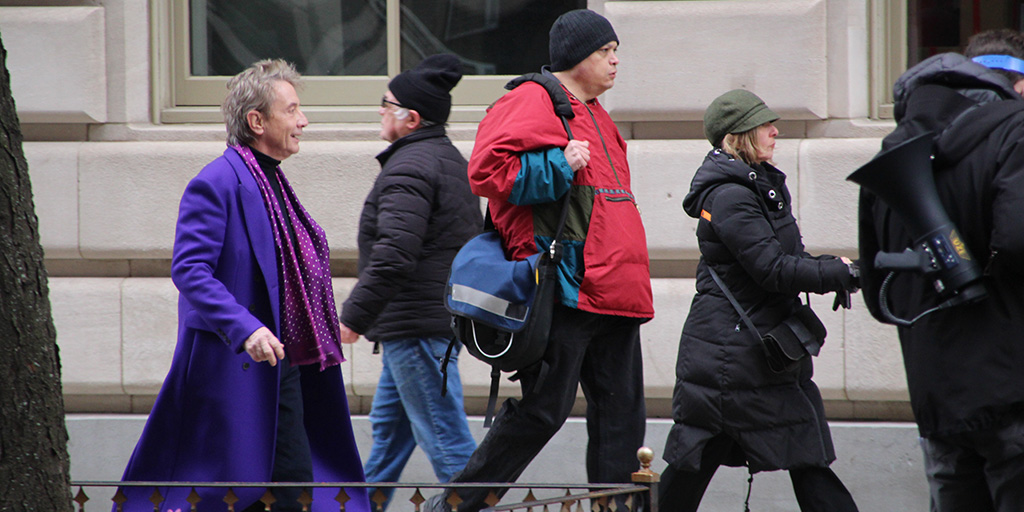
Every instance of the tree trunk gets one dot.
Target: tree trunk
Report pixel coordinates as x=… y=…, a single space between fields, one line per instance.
x=34 y=465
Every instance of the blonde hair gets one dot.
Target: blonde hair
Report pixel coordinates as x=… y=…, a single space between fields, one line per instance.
x=743 y=145
x=253 y=89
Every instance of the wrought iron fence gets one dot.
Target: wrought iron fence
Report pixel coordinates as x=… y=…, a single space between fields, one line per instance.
x=639 y=496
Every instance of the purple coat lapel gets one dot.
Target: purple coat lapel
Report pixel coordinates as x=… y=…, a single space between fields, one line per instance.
x=261 y=236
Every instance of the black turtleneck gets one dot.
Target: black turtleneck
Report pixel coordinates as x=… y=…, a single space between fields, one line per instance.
x=269 y=166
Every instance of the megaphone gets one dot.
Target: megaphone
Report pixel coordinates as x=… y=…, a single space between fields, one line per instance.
x=902 y=177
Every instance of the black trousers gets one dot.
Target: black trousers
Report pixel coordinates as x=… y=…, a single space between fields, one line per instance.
x=599 y=352
x=817 y=489
x=980 y=471
x=293 y=461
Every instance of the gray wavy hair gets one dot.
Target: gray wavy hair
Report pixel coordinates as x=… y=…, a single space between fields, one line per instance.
x=253 y=89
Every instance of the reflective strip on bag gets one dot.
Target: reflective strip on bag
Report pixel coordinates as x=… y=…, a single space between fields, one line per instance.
x=490 y=303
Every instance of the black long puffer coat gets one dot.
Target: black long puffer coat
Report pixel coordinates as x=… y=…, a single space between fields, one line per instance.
x=747 y=233
x=415 y=219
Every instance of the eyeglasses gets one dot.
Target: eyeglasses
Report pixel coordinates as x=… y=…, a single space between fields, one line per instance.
x=384 y=102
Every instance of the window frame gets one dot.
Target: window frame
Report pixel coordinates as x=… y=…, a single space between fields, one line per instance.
x=180 y=97
x=888 y=22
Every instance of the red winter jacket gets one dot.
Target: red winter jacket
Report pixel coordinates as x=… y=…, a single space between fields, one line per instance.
x=518 y=165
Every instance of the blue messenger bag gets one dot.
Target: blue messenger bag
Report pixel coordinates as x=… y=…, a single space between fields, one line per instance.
x=501 y=309
x=486 y=289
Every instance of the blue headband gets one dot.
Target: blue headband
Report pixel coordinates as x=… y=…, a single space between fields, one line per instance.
x=1002 y=62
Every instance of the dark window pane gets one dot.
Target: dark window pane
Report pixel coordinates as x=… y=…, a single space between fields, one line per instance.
x=493 y=37
x=937 y=26
x=322 y=37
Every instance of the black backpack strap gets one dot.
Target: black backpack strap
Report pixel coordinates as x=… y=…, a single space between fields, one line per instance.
x=972 y=127
x=961 y=122
x=492 y=397
x=444 y=365
x=563 y=107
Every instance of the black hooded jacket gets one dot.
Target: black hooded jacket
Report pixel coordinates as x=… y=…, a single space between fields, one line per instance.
x=417 y=216
x=964 y=365
x=747 y=233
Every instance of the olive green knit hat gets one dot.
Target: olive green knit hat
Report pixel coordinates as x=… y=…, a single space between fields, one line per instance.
x=736 y=111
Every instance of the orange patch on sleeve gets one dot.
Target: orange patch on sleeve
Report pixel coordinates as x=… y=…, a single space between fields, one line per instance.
x=706 y=215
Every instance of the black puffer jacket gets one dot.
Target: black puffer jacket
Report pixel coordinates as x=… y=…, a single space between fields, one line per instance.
x=417 y=216
x=747 y=233
x=965 y=365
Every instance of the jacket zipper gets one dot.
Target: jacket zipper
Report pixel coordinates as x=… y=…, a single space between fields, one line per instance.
x=604 y=146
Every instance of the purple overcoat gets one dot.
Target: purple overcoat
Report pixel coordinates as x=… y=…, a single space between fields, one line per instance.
x=215 y=418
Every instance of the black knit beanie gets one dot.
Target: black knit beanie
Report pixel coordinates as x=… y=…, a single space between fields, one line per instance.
x=427 y=87
x=577 y=34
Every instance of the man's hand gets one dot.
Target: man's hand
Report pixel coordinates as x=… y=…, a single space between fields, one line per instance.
x=577 y=153
x=262 y=345
x=348 y=335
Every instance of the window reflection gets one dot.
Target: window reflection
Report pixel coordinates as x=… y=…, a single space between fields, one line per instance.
x=322 y=37
x=349 y=37
x=493 y=37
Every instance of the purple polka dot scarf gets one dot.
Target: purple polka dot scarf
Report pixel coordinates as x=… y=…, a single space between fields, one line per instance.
x=309 y=324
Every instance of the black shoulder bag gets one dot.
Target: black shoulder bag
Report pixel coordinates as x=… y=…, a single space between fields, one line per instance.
x=786 y=344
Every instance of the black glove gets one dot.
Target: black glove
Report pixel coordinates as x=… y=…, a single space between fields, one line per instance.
x=843 y=296
x=842 y=299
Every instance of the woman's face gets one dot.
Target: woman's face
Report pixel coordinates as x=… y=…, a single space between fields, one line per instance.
x=766 y=141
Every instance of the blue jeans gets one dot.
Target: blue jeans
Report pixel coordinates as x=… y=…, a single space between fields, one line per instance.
x=408 y=410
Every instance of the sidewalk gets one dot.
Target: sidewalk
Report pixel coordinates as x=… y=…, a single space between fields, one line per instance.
x=879 y=462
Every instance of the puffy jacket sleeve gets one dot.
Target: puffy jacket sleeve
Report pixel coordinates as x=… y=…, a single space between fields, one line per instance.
x=517 y=156
x=198 y=240
x=740 y=224
x=403 y=212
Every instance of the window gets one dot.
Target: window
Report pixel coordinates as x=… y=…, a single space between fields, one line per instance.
x=905 y=32
x=937 y=26
x=346 y=49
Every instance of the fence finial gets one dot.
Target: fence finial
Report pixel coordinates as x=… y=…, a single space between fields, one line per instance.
x=645 y=455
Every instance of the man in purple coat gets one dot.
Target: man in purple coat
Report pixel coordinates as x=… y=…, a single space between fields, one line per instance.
x=254 y=392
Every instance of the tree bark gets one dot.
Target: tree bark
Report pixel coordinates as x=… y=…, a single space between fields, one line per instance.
x=34 y=463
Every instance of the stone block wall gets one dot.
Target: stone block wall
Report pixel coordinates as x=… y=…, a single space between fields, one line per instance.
x=117 y=331
x=107 y=179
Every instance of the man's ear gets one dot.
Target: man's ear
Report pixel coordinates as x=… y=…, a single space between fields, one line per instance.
x=414 y=121
x=255 y=120
x=1019 y=87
